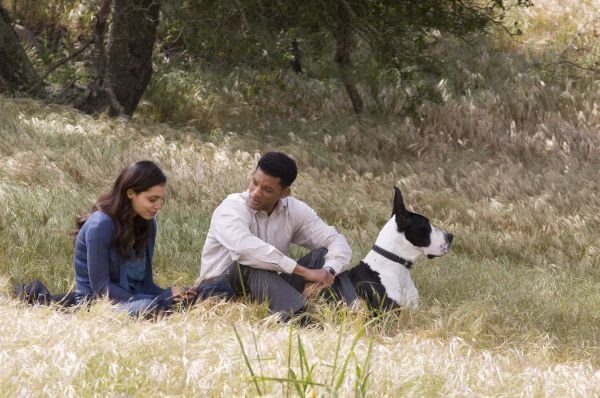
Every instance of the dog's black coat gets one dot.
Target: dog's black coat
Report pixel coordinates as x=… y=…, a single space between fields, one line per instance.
x=368 y=286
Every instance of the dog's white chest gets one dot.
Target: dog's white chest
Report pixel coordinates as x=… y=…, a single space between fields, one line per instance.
x=396 y=280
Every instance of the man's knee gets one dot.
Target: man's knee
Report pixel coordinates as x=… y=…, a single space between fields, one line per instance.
x=270 y=286
x=314 y=259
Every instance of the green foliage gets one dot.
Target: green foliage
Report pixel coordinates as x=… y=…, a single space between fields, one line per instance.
x=390 y=40
x=57 y=23
x=41 y=17
x=220 y=32
x=303 y=378
x=390 y=36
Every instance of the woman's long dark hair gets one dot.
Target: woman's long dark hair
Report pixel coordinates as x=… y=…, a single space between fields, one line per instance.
x=132 y=231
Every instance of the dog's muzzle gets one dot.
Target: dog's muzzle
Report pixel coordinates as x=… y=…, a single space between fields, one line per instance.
x=448 y=237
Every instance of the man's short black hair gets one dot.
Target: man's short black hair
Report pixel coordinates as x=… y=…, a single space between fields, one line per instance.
x=278 y=164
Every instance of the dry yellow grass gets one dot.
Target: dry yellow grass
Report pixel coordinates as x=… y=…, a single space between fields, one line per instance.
x=512 y=311
x=102 y=353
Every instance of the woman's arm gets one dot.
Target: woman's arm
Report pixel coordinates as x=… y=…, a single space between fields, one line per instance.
x=99 y=242
x=151 y=287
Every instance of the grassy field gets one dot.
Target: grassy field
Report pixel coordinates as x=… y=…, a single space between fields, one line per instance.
x=508 y=163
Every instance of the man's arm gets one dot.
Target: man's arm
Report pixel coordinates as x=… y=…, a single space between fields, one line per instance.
x=229 y=226
x=312 y=232
x=314 y=275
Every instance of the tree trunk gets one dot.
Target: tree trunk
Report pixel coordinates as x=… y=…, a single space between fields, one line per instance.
x=132 y=37
x=343 y=41
x=297 y=54
x=16 y=72
x=98 y=97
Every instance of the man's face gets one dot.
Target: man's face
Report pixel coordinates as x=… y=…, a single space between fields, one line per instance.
x=265 y=191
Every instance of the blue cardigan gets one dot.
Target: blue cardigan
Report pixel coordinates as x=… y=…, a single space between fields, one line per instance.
x=97 y=263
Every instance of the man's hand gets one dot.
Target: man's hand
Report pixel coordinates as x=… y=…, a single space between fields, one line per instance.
x=314 y=275
x=179 y=293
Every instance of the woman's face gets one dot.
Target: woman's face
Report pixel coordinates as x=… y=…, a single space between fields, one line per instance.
x=147 y=203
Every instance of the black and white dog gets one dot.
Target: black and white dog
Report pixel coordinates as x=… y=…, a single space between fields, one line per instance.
x=383 y=277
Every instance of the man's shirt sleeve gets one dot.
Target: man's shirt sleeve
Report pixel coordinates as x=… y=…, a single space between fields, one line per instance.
x=312 y=232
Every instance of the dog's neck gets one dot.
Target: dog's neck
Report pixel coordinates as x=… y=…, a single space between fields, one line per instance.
x=394 y=242
x=395 y=277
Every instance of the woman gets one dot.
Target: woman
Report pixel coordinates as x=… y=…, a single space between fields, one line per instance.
x=115 y=244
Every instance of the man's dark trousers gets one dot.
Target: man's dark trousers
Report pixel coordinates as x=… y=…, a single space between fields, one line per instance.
x=282 y=291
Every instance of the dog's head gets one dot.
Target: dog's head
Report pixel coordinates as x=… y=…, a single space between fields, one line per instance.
x=405 y=237
x=417 y=229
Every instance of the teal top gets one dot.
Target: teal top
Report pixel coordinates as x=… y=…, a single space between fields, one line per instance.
x=136 y=270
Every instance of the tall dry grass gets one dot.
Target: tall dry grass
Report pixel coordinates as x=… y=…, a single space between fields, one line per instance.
x=517 y=297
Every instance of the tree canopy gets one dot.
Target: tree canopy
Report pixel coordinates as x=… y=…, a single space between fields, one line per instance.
x=353 y=36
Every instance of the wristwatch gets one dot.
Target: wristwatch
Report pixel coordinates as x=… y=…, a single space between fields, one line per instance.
x=330 y=270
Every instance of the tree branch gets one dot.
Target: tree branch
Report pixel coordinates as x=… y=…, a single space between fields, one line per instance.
x=63 y=61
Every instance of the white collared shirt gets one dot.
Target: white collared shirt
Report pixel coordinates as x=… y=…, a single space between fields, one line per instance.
x=255 y=238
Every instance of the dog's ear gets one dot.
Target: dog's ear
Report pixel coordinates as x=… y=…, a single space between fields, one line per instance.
x=399 y=210
x=398 y=202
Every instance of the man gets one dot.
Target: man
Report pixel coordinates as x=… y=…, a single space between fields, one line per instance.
x=250 y=234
